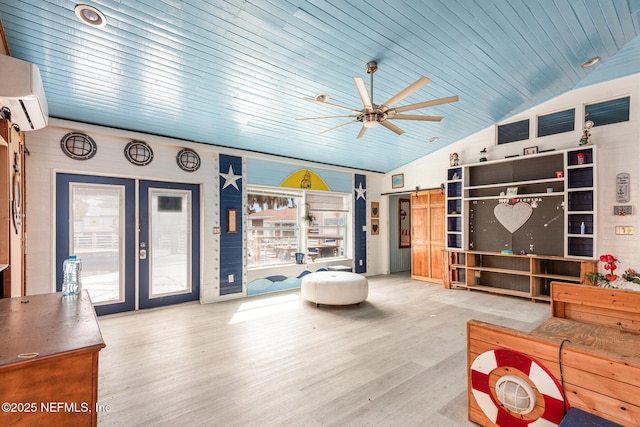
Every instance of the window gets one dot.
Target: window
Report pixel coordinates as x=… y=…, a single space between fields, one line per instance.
x=512 y=132
x=608 y=112
x=559 y=122
x=282 y=223
x=272 y=229
x=326 y=230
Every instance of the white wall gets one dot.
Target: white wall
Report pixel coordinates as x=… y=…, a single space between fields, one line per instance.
x=47 y=158
x=618 y=151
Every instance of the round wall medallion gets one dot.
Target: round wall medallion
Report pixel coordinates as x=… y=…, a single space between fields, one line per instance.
x=78 y=146
x=188 y=160
x=139 y=153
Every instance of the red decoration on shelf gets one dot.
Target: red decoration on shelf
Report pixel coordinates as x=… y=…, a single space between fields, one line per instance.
x=609 y=264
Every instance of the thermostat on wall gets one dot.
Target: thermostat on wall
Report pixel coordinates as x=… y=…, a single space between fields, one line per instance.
x=622 y=187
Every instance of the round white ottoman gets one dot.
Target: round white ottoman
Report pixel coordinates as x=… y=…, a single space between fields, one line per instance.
x=334 y=288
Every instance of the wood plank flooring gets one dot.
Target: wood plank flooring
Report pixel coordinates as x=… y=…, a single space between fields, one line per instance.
x=398 y=359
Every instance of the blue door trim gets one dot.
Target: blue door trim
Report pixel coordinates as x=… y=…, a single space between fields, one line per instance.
x=144 y=300
x=62 y=234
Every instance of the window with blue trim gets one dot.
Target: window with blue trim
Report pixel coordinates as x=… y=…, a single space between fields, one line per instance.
x=512 y=132
x=559 y=122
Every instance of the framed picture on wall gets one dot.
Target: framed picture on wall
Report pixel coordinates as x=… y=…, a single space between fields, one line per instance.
x=404 y=223
x=375 y=209
x=397 y=181
x=375 y=227
x=232 y=221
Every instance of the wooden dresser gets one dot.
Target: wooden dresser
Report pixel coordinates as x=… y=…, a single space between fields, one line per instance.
x=49 y=348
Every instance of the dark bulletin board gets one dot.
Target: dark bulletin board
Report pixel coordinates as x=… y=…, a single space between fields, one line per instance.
x=544 y=229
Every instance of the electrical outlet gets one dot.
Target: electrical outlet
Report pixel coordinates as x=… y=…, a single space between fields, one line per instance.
x=231 y=278
x=216 y=230
x=360 y=262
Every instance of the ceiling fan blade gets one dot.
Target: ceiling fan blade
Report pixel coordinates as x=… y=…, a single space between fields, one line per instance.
x=331 y=105
x=422 y=81
x=361 y=133
x=425 y=104
x=392 y=127
x=339 y=126
x=324 y=117
x=364 y=95
x=416 y=117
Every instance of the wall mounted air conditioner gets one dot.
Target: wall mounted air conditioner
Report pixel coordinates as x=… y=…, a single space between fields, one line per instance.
x=22 y=93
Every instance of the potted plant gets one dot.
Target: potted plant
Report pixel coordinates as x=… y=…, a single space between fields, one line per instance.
x=596 y=278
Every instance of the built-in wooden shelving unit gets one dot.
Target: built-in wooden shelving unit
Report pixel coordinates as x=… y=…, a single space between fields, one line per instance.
x=556 y=242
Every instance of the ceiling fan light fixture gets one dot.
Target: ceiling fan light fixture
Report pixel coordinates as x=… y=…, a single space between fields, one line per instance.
x=371 y=120
x=591 y=62
x=90 y=15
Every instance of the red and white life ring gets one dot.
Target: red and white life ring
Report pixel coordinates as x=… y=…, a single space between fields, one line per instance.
x=555 y=404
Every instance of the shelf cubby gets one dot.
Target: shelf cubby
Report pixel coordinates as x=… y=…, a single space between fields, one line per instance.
x=519 y=275
x=454 y=205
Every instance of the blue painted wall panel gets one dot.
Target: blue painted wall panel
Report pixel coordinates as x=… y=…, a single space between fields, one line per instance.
x=360 y=221
x=230 y=243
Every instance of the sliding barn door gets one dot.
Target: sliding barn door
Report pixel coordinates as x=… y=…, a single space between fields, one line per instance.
x=427 y=235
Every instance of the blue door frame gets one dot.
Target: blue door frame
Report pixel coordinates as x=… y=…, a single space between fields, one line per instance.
x=144 y=300
x=131 y=253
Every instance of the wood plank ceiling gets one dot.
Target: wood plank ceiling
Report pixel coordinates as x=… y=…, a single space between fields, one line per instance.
x=233 y=73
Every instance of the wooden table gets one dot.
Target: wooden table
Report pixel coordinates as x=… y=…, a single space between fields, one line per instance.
x=49 y=360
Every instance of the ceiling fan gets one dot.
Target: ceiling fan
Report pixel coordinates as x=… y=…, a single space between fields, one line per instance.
x=373 y=115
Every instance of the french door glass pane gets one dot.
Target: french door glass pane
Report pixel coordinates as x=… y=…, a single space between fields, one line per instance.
x=97 y=239
x=170 y=223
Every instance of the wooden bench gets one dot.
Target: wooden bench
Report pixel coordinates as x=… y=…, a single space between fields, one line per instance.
x=599 y=331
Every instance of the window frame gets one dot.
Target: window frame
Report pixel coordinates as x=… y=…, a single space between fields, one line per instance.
x=565 y=110
x=346 y=212
x=512 y=123
x=302 y=238
x=588 y=117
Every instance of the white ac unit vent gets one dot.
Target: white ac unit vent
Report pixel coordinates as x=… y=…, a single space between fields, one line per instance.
x=21 y=91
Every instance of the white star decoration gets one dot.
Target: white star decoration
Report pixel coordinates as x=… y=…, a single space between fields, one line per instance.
x=230 y=178
x=360 y=192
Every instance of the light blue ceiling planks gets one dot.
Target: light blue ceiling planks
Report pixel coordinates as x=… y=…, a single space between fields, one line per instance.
x=233 y=73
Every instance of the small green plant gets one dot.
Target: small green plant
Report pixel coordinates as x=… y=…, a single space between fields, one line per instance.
x=596 y=279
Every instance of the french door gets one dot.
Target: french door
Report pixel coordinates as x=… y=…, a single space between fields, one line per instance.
x=134 y=255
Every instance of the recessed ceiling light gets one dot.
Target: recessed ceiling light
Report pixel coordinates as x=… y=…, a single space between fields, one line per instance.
x=590 y=62
x=434 y=139
x=90 y=15
x=322 y=97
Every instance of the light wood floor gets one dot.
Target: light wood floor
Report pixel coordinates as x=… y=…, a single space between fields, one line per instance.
x=397 y=359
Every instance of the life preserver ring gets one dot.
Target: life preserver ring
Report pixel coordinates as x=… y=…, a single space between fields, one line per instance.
x=555 y=403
